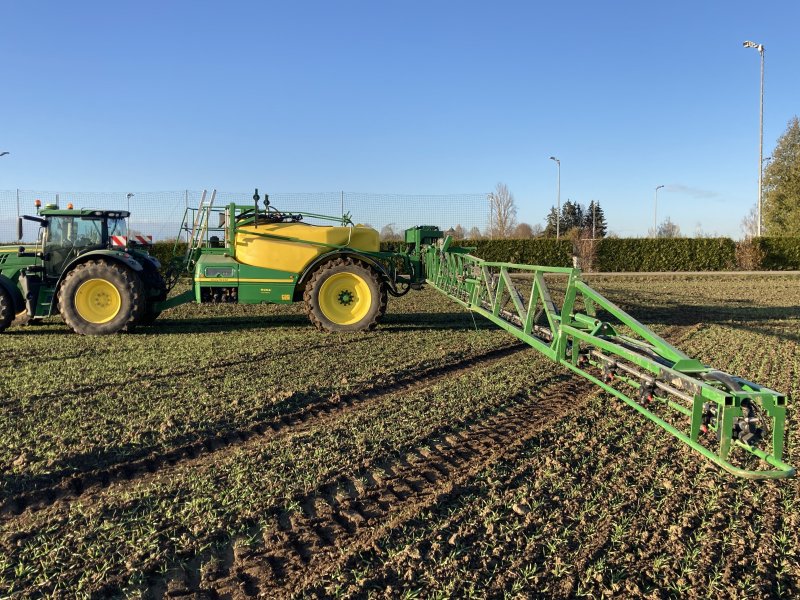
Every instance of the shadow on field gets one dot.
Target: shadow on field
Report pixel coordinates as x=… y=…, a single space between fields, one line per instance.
x=390 y=322
x=434 y=320
x=224 y=323
x=767 y=329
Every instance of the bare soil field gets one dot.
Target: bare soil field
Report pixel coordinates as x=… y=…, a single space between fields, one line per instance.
x=235 y=452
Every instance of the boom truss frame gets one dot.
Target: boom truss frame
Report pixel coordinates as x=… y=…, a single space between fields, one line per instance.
x=626 y=359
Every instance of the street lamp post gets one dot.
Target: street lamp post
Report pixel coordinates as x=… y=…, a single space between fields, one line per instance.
x=130 y=195
x=558 y=198
x=655 y=213
x=760 y=48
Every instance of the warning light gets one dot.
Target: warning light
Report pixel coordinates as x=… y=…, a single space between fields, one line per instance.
x=37 y=203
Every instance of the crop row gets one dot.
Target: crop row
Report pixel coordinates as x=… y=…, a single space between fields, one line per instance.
x=94 y=402
x=126 y=530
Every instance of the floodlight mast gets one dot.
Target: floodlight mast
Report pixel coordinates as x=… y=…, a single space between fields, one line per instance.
x=760 y=48
x=558 y=198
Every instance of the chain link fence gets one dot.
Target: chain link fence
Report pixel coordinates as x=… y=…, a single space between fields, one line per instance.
x=160 y=214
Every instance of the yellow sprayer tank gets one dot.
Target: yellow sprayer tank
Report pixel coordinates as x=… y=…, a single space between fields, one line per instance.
x=285 y=255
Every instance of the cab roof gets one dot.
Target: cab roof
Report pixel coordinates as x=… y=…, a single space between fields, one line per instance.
x=85 y=212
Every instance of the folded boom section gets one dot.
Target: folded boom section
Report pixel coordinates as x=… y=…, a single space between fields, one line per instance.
x=735 y=423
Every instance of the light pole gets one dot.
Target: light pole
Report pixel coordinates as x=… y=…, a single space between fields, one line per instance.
x=558 y=198
x=130 y=195
x=760 y=48
x=655 y=213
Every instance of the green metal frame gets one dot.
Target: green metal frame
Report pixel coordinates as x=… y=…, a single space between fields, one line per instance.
x=619 y=362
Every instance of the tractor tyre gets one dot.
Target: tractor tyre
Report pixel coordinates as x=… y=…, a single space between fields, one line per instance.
x=152 y=280
x=6 y=309
x=345 y=295
x=100 y=298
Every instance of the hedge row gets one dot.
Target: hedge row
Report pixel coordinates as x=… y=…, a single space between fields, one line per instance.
x=779 y=254
x=620 y=254
x=661 y=254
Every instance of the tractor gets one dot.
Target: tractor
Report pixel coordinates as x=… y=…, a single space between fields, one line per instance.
x=83 y=267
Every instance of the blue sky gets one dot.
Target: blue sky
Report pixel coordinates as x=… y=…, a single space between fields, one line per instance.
x=403 y=97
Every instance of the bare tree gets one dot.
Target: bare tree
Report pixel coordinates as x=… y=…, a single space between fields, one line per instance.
x=388 y=234
x=474 y=234
x=668 y=229
x=502 y=212
x=750 y=223
x=523 y=231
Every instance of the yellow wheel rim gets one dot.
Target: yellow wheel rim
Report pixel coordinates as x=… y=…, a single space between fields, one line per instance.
x=345 y=298
x=97 y=301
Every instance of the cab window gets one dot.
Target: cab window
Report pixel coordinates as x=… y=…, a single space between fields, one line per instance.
x=66 y=232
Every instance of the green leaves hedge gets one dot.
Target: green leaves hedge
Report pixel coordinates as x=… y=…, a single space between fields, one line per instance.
x=539 y=251
x=662 y=254
x=779 y=254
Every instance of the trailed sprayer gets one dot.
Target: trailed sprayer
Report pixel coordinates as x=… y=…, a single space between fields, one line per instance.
x=86 y=268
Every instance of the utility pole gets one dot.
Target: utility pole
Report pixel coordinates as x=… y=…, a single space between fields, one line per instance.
x=655 y=213
x=760 y=48
x=558 y=198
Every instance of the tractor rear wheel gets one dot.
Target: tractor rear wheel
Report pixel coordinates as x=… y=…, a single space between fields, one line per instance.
x=152 y=280
x=100 y=298
x=345 y=295
x=6 y=309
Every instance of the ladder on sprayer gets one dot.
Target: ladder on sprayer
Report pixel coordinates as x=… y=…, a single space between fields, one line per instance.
x=200 y=225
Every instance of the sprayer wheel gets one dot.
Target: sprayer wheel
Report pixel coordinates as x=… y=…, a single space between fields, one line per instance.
x=345 y=294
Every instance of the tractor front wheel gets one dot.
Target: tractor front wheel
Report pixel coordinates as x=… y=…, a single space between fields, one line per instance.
x=6 y=309
x=345 y=295
x=100 y=298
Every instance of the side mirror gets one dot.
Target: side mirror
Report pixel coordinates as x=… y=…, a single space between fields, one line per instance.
x=19 y=229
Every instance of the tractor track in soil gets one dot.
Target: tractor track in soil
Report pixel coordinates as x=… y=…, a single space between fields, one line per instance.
x=82 y=484
x=347 y=515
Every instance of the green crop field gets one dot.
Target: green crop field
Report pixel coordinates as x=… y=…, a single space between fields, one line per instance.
x=236 y=452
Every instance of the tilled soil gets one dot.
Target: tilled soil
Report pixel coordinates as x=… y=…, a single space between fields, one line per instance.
x=551 y=490
x=342 y=519
x=84 y=483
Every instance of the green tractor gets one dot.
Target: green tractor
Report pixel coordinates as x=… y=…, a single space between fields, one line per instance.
x=82 y=267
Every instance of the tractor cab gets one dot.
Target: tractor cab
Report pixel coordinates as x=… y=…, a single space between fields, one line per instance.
x=84 y=267
x=67 y=234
